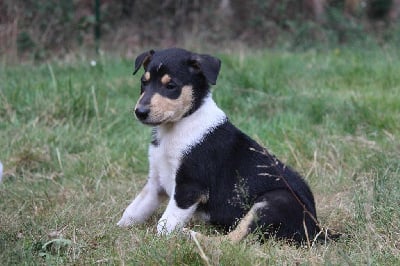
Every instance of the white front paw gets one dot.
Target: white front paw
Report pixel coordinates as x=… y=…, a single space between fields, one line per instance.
x=162 y=227
x=125 y=221
x=167 y=226
x=129 y=218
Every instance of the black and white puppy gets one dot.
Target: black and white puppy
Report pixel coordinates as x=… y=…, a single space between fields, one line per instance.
x=205 y=165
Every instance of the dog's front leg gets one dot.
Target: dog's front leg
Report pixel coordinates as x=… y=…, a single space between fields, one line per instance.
x=174 y=217
x=143 y=205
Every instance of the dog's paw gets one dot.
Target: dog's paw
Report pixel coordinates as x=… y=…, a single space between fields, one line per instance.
x=162 y=228
x=125 y=221
x=167 y=226
x=131 y=216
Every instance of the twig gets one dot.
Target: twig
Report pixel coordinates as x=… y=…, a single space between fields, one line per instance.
x=201 y=251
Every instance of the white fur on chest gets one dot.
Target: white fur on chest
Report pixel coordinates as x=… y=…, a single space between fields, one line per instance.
x=177 y=139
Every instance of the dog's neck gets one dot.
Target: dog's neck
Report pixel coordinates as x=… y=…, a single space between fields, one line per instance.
x=194 y=127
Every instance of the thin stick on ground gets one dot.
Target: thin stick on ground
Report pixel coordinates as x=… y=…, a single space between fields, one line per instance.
x=201 y=251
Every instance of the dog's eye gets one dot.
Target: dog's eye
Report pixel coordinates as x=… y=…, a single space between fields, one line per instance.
x=171 y=86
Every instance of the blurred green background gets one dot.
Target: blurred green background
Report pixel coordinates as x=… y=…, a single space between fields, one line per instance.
x=37 y=29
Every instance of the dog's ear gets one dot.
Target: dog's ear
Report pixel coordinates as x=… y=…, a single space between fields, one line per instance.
x=209 y=66
x=143 y=59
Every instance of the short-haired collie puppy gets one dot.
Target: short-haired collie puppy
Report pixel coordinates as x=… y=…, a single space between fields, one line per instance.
x=206 y=166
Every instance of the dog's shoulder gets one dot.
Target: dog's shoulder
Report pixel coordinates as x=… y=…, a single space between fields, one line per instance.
x=191 y=130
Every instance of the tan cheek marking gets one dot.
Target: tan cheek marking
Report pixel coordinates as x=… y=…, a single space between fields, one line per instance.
x=165 y=79
x=147 y=76
x=159 y=103
x=172 y=110
x=186 y=97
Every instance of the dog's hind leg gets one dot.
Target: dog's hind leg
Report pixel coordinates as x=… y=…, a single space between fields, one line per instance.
x=286 y=217
x=243 y=228
x=246 y=223
x=277 y=213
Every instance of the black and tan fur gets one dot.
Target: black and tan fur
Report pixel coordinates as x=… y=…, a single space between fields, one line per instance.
x=205 y=165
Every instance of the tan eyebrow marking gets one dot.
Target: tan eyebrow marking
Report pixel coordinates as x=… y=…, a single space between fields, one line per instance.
x=147 y=76
x=165 y=79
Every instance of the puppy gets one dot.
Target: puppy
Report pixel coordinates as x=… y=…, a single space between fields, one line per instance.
x=205 y=165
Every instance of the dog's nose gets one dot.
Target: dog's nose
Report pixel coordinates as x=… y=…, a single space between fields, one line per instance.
x=142 y=112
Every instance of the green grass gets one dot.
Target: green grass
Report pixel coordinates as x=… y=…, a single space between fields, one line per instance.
x=74 y=157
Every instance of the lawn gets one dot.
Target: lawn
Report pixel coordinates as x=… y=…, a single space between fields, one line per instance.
x=74 y=156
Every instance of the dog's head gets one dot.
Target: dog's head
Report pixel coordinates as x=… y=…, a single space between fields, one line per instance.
x=174 y=84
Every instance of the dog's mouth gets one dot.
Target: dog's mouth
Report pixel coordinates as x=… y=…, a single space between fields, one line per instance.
x=150 y=123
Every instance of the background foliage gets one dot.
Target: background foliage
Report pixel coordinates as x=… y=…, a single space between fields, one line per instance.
x=39 y=28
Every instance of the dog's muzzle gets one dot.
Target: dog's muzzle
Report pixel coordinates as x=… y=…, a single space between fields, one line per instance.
x=142 y=112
